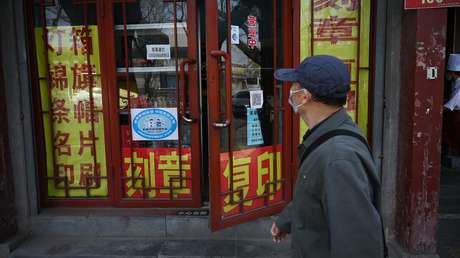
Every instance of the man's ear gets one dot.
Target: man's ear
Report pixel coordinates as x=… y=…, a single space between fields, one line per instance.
x=308 y=96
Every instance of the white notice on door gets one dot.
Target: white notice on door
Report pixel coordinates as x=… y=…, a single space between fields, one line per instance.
x=158 y=52
x=235 y=35
x=256 y=98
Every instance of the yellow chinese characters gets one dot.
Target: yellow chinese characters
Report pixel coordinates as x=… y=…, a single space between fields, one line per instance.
x=156 y=172
x=239 y=184
x=136 y=182
x=173 y=177
x=263 y=171
x=251 y=180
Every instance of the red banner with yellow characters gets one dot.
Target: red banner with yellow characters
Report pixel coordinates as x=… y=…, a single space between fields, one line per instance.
x=253 y=181
x=72 y=111
x=154 y=173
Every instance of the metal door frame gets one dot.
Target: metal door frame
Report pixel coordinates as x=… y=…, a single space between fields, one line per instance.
x=215 y=123
x=105 y=21
x=111 y=75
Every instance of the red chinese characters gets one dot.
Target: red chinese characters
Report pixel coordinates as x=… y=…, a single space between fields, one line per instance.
x=350 y=5
x=83 y=76
x=84 y=112
x=59 y=112
x=58 y=74
x=82 y=41
x=61 y=145
x=252 y=31
x=90 y=175
x=73 y=138
x=335 y=29
x=56 y=36
x=64 y=173
x=87 y=142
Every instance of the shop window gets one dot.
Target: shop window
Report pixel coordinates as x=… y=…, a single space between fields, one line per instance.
x=151 y=42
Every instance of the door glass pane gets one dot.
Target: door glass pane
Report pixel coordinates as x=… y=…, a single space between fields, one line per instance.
x=151 y=42
x=71 y=99
x=253 y=179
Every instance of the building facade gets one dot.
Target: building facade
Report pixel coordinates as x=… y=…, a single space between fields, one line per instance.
x=171 y=106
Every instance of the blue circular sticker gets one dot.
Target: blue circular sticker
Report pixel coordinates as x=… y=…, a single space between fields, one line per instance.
x=154 y=124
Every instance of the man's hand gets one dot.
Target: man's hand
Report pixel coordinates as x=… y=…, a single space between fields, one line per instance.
x=277 y=235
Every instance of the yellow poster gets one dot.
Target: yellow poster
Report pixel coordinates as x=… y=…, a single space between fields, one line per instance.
x=341 y=29
x=71 y=104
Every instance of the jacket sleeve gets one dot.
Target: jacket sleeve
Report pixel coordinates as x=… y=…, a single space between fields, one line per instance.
x=284 y=219
x=353 y=221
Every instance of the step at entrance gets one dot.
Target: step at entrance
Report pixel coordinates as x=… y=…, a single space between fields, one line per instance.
x=158 y=224
x=76 y=247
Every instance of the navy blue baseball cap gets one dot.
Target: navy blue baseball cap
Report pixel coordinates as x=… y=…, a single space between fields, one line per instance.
x=322 y=75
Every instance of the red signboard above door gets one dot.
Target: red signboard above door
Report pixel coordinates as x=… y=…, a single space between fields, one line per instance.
x=423 y=4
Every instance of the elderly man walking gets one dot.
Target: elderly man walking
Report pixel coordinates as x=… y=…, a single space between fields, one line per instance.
x=335 y=209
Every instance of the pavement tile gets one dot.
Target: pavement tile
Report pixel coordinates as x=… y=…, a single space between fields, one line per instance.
x=449 y=238
x=151 y=227
x=198 y=248
x=194 y=228
x=254 y=230
x=265 y=249
x=97 y=247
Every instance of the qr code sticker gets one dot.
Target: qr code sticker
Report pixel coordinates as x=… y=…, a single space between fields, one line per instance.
x=257 y=99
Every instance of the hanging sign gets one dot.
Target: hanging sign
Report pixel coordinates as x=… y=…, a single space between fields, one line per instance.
x=254 y=133
x=253 y=31
x=423 y=4
x=154 y=124
x=158 y=52
x=72 y=108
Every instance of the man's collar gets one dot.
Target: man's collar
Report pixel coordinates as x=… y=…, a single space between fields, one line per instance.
x=330 y=123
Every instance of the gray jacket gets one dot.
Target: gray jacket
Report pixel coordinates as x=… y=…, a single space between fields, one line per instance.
x=333 y=213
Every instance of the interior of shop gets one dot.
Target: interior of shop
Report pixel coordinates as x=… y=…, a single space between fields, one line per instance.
x=449 y=201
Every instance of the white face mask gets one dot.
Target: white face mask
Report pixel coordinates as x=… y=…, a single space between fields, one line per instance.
x=295 y=106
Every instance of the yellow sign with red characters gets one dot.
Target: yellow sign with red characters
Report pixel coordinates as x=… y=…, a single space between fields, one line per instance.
x=71 y=104
x=341 y=29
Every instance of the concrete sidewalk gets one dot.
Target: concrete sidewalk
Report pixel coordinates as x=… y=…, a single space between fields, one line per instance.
x=60 y=247
x=59 y=233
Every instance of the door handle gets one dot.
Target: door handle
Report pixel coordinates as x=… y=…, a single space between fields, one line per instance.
x=186 y=115
x=187 y=119
x=228 y=87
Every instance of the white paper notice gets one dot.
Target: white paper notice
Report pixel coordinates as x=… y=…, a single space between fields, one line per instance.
x=256 y=98
x=158 y=52
x=235 y=35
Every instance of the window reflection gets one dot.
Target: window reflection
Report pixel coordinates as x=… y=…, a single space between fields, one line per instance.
x=252 y=50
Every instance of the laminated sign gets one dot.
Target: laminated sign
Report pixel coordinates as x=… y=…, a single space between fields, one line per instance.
x=154 y=124
x=158 y=52
x=254 y=133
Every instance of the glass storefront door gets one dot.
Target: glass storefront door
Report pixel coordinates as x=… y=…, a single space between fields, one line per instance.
x=118 y=102
x=158 y=107
x=120 y=105
x=246 y=110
